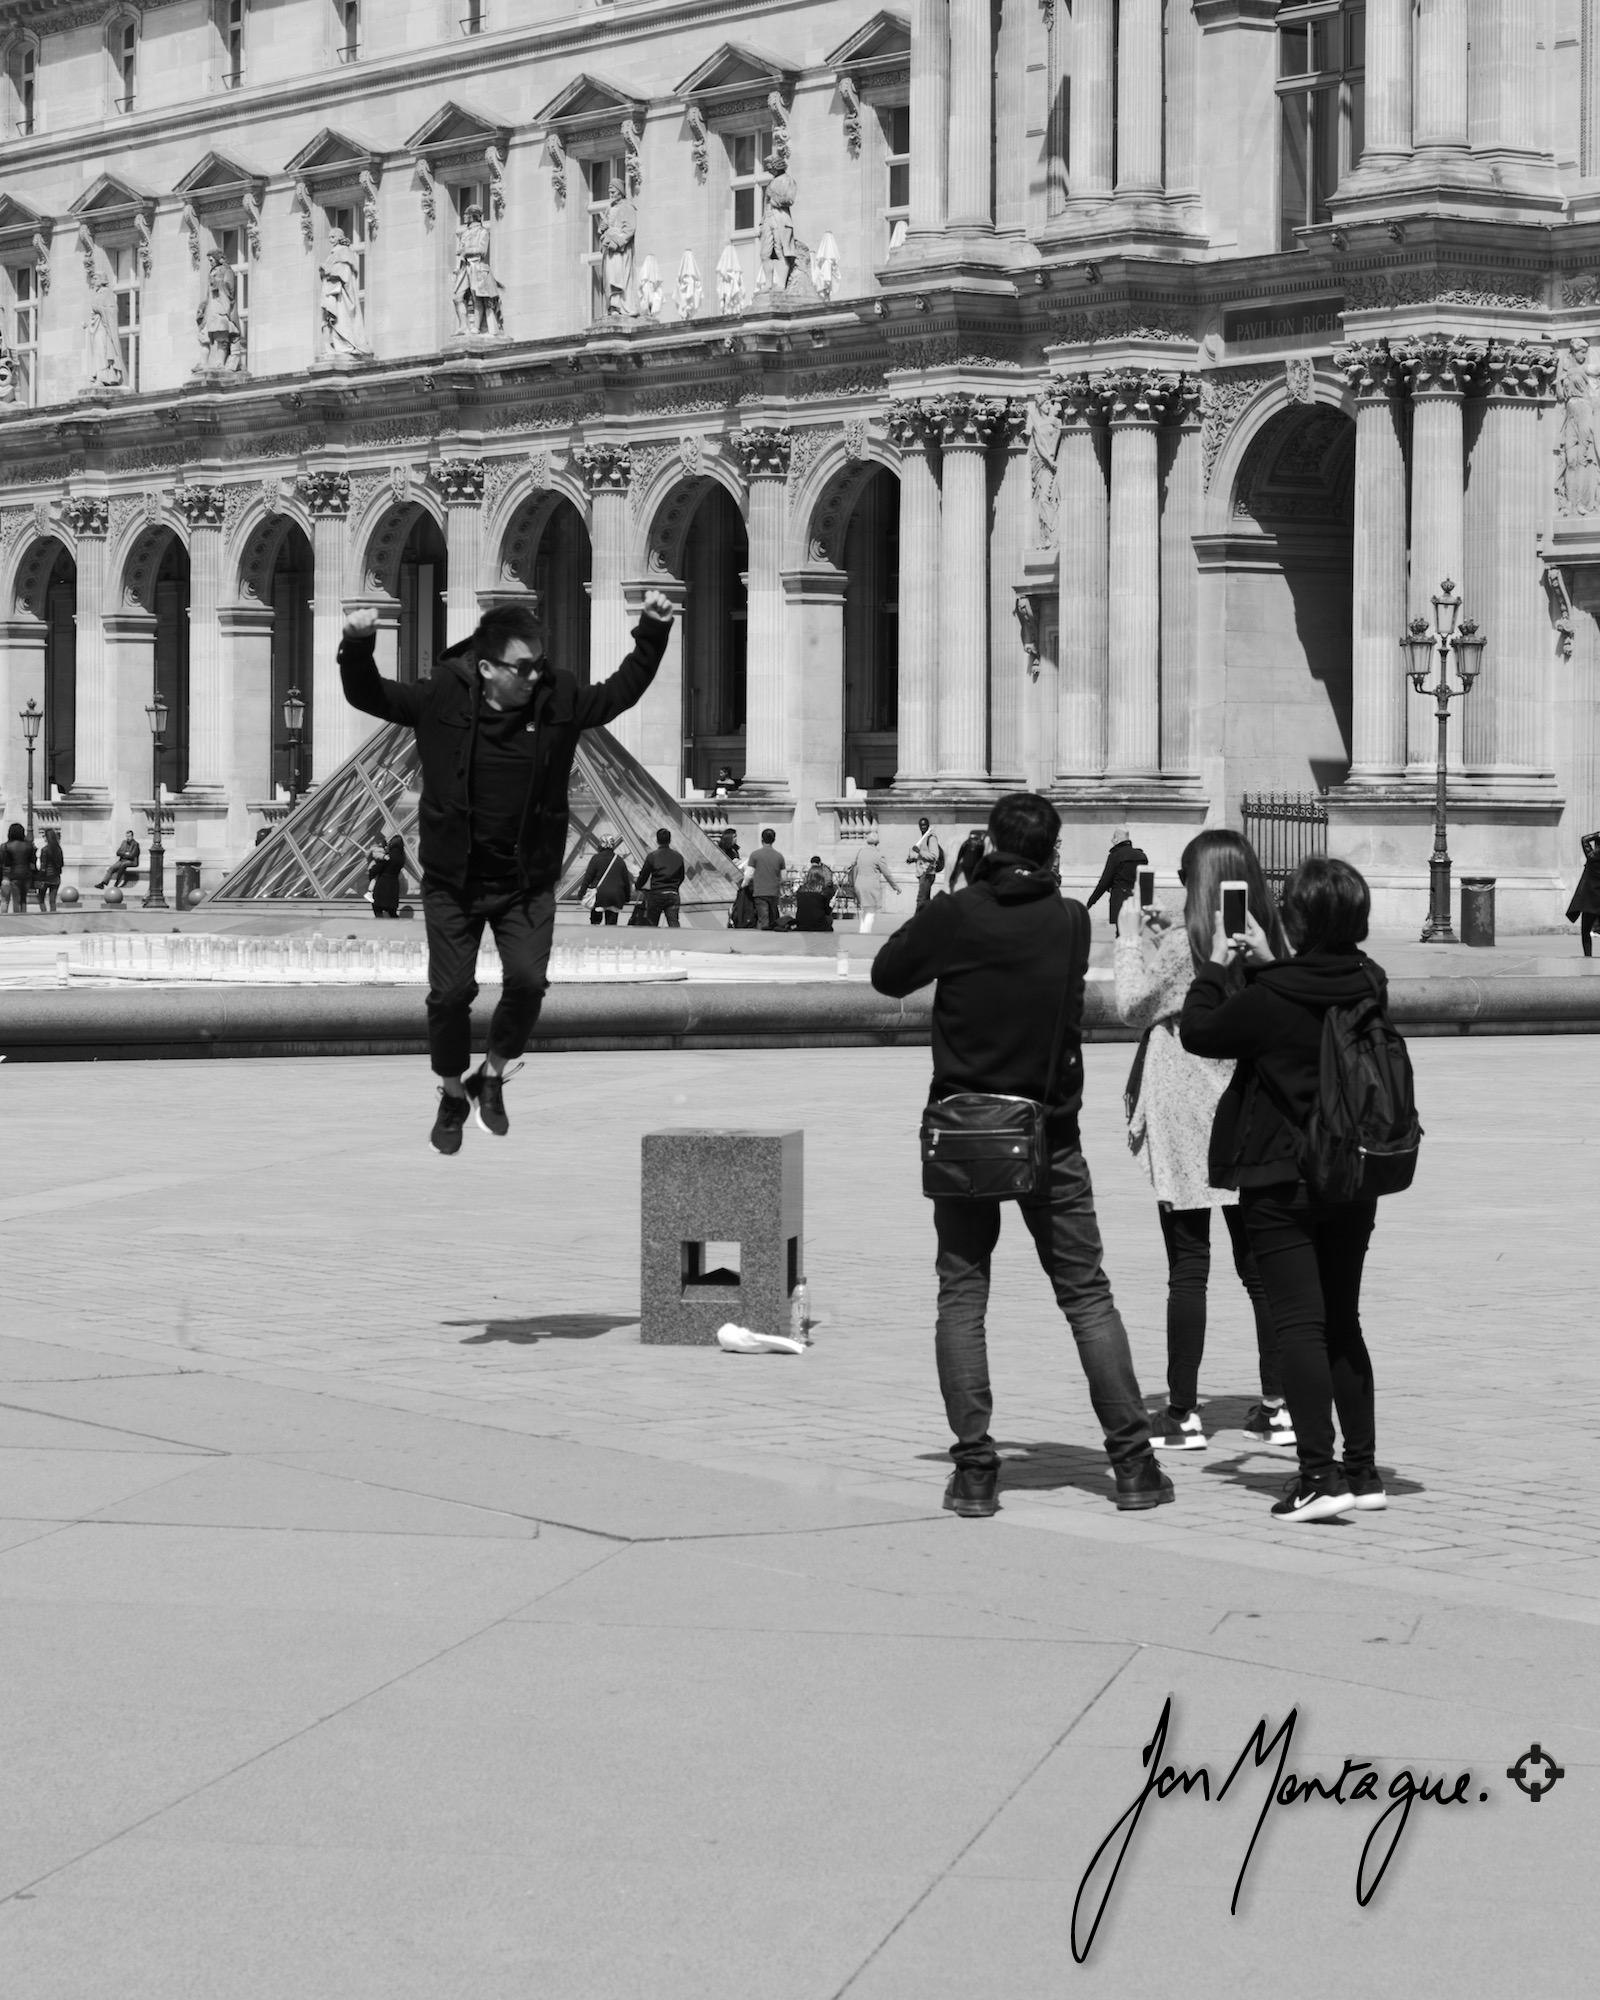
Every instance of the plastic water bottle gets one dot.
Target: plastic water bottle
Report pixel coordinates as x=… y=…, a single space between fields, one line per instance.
x=841 y=963
x=799 y=1313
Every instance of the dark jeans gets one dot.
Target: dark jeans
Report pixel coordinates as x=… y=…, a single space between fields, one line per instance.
x=1066 y=1235
x=115 y=877
x=602 y=916
x=766 y=912
x=47 y=897
x=659 y=903
x=524 y=926
x=1187 y=1234
x=1310 y=1255
x=924 y=890
x=1586 y=934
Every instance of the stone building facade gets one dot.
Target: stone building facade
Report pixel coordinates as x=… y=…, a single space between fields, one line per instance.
x=1080 y=396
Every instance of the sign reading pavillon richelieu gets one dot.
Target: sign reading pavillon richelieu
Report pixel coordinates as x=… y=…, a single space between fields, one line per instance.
x=1283 y=319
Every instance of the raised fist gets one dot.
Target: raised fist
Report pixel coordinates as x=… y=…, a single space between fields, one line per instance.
x=658 y=605
x=362 y=622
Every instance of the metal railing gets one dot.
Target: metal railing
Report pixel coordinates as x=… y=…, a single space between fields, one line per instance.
x=1285 y=828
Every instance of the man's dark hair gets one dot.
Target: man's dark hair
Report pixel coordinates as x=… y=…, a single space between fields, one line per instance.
x=1026 y=825
x=768 y=835
x=663 y=837
x=1325 y=905
x=497 y=628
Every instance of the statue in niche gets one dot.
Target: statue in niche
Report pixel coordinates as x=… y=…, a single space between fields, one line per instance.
x=477 y=290
x=616 y=246
x=781 y=248
x=1044 y=449
x=1577 y=450
x=103 y=356
x=344 y=324
x=217 y=316
x=8 y=372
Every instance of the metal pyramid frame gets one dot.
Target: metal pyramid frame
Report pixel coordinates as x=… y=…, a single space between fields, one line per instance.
x=319 y=853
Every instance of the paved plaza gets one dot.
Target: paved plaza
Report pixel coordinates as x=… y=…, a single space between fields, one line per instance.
x=379 y=1617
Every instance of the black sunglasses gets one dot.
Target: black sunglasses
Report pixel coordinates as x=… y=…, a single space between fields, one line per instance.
x=523 y=669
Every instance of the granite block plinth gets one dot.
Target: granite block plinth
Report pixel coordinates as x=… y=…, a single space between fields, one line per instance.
x=719 y=1187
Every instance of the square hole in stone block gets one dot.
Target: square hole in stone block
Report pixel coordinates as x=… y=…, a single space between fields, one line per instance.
x=710 y=1264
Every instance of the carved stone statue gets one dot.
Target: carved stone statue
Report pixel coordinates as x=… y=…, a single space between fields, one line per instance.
x=103 y=348
x=1044 y=448
x=8 y=373
x=344 y=324
x=1577 y=450
x=781 y=248
x=616 y=245
x=217 y=316
x=477 y=291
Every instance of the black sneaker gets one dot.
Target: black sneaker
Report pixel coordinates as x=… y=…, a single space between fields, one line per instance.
x=970 y=1491
x=1314 y=1499
x=1270 y=1423
x=487 y=1092
x=1368 y=1490
x=450 y=1123
x=1142 y=1484
x=1177 y=1430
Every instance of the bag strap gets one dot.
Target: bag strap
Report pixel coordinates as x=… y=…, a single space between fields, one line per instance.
x=1058 y=1042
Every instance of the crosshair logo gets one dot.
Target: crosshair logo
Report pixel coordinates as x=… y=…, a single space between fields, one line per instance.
x=1539 y=1761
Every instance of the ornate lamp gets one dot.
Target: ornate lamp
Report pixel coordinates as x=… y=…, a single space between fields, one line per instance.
x=1419 y=646
x=32 y=719
x=1469 y=644
x=156 y=710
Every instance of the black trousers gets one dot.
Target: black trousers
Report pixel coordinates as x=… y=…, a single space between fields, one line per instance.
x=599 y=916
x=1187 y=1235
x=524 y=925
x=1310 y=1255
x=659 y=903
x=1586 y=934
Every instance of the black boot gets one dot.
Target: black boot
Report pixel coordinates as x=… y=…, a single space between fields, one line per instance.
x=1142 y=1483
x=971 y=1491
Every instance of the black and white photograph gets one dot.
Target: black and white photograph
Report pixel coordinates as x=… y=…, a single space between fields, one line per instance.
x=799 y=1031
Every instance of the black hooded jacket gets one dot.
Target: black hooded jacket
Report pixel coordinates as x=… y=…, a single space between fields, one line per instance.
x=1274 y=1025
x=443 y=711
x=1004 y=953
x=1120 y=873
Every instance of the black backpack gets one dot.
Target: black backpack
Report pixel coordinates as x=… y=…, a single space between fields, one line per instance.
x=1362 y=1135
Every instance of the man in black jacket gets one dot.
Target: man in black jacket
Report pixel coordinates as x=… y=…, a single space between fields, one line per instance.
x=1117 y=878
x=661 y=881
x=497 y=728
x=1009 y=955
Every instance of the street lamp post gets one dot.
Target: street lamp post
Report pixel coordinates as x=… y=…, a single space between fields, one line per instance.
x=294 y=720
x=156 y=709
x=1427 y=645
x=32 y=722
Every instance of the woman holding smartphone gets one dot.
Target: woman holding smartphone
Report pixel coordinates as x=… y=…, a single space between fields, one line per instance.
x=1310 y=1252
x=1171 y=1101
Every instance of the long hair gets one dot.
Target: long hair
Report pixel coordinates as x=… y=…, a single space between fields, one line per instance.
x=1216 y=856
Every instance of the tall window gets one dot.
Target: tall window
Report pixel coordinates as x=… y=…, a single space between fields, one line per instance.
x=472 y=21
x=353 y=222
x=349 y=28
x=125 y=279
x=897 y=171
x=745 y=153
x=1321 y=97
x=602 y=174
x=24 y=342
x=235 y=248
x=24 y=68
x=233 y=35
x=125 y=54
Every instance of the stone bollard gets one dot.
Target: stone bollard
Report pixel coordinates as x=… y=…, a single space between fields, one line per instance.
x=723 y=1231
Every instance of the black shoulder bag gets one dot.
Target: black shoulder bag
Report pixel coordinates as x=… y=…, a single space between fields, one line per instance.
x=979 y=1146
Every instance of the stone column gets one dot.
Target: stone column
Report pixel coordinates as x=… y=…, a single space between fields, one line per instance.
x=1442 y=369
x=1008 y=660
x=1183 y=67
x=930 y=114
x=1093 y=107
x=661 y=746
x=814 y=624
x=210 y=698
x=253 y=725
x=1503 y=719
x=336 y=728
x=1378 y=587
x=1084 y=647
x=607 y=468
x=1505 y=90
x=461 y=480
x=966 y=424
x=1439 y=110
x=1589 y=86
x=1388 y=84
x=89 y=519
x=1180 y=461
x=912 y=430
x=22 y=650
x=971 y=153
x=764 y=456
x=1136 y=402
x=1139 y=92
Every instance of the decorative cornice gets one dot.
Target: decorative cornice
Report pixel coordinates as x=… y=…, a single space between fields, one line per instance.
x=910 y=425
x=764 y=450
x=88 y=516
x=326 y=494
x=1370 y=369
x=1439 y=364
x=1519 y=371
x=966 y=423
x=201 y=506
x=607 y=467
x=1133 y=396
x=461 y=480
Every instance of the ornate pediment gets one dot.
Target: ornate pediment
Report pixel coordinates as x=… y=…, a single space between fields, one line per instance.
x=217 y=178
x=456 y=137
x=332 y=158
x=110 y=199
x=884 y=44
x=25 y=237
x=735 y=82
x=591 y=105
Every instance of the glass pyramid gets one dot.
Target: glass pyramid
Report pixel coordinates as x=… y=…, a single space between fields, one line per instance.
x=319 y=853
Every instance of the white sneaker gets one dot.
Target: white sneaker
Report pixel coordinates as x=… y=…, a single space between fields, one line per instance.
x=1172 y=1432
x=1270 y=1424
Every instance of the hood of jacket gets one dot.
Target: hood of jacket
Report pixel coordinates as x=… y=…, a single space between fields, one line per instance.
x=1010 y=879
x=1322 y=978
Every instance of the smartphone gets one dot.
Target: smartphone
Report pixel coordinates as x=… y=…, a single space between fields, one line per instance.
x=1235 y=907
x=1147 y=887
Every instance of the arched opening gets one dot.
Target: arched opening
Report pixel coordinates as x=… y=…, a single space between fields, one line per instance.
x=60 y=605
x=1289 y=618
x=170 y=603
x=562 y=570
x=423 y=583
x=871 y=562
x=716 y=558
x=290 y=593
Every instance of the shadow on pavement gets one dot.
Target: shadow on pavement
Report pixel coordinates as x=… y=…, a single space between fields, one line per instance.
x=545 y=1326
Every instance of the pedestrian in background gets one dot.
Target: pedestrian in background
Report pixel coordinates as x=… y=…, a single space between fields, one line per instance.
x=383 y=872
x=660 y=882
x=52 y=866
x=1009 y=958
x=869 y=875
x=1310 y=1252
x=813 y=900
x=927 y=858
x=20 y=862
x=764 y=878
x=1120 y=873
x=1584 y=909
x=968 y=855
x=605 y=880
x=127 y=859
x=1171 y=1102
